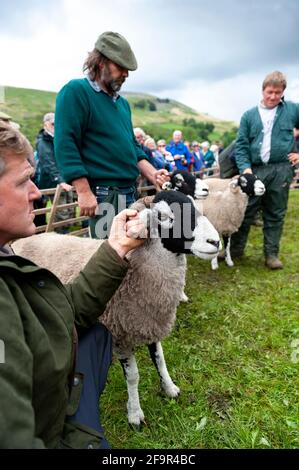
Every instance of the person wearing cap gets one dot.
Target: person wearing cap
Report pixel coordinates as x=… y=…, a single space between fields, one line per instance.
x=95 y=147
x=5 y=117
x=8 y=119
x=266 y=147
x=48 y=173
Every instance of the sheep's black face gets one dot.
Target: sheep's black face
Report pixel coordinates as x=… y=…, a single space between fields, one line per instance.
x=246 y=183
x=188 y=184
x=184 y=182
x=251 y=185
x=176 y=219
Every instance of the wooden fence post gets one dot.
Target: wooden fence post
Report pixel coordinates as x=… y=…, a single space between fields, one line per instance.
x=53 y=209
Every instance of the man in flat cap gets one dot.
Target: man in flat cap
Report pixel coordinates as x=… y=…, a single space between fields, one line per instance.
x=95 y=147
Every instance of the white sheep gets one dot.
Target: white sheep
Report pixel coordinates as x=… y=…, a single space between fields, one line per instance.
x=225 y=205
x=143 y=309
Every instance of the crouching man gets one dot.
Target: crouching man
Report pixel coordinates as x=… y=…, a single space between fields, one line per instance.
x=50 y=382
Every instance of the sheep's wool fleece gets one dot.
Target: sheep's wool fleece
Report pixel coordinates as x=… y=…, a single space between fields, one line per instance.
x=143 y=309
x=63 y=255
x=225 y=206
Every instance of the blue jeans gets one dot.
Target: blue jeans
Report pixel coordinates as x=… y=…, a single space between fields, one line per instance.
x=111 y=201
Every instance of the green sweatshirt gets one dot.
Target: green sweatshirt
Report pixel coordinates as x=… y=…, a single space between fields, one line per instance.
x=94 y=137
x=250 y=136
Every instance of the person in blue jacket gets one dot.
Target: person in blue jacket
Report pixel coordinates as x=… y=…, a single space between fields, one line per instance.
x=198 y=162
x=180 y=152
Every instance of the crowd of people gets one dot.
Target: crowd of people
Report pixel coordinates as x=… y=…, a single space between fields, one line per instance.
x=179 y=154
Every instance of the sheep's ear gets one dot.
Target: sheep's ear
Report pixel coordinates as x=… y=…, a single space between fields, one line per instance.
x=162 y=215
x=234 y=184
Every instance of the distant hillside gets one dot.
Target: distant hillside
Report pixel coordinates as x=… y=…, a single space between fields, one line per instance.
x=159 y=117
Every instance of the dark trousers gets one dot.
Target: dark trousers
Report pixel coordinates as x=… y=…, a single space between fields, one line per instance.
x=277 y=178
x=93 y=362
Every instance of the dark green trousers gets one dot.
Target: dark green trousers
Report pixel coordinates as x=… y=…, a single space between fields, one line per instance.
x=277 y=178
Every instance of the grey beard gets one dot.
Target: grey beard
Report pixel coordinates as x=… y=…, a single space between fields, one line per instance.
x=115 y=85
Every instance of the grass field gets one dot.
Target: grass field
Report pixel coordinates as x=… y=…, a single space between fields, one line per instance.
x=231 y=355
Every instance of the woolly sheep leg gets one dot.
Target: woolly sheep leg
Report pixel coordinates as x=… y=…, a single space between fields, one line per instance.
x=130 y=369
x=184 y=297
x=228 y=258
x=157 y=356
x=214 y=263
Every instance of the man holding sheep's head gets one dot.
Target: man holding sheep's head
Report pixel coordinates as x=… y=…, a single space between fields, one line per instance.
x=50 y=383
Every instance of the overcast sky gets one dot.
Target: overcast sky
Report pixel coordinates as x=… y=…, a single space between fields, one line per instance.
x=209 y=54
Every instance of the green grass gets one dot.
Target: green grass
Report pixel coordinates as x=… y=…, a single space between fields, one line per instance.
x=27 y=107
x=230 y=354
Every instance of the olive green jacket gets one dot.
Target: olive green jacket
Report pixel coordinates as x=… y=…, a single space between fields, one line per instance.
x=37 y=315
x=250 y=136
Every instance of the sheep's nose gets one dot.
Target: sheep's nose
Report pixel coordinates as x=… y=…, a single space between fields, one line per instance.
x=213 y=242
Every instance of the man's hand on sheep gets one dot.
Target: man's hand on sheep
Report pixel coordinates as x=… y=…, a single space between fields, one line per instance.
x=161 y=176
x=127 y=232
x=156 y=177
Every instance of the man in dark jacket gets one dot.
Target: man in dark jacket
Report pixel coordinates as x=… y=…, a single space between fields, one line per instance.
x=49 y=176
x=265 y=147
x=44 y=403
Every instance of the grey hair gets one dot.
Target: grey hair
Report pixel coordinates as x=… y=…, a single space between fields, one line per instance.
x=138 y=130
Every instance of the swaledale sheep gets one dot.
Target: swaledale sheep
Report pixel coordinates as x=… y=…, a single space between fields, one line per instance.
x=225 y=205
x=143 y=309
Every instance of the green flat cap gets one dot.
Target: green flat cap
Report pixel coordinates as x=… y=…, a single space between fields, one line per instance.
x=116 y=48
x=4 y=116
